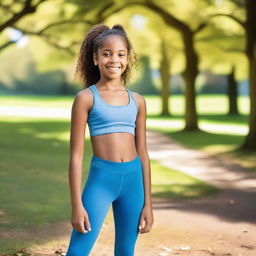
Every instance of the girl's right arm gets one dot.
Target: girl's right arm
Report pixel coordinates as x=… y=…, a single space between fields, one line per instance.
x=79 y=114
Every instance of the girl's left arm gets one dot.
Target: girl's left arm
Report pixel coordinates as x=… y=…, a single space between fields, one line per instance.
x=146 y=218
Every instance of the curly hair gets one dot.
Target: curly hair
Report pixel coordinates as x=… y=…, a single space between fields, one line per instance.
x=94 y=39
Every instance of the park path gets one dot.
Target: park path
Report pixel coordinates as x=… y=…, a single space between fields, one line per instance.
x=199 y=164
x=220 y=225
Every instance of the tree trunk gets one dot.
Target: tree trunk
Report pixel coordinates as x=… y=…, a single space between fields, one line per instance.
x=190 y=75
x=250 y=25
x=165 y=78
x=232 y=93
x=191 y=69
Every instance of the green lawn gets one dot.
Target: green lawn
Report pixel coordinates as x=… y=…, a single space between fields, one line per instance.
x=34 y=177
x=34 y=157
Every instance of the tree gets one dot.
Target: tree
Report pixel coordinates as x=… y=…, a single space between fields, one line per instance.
x=220 y=46
x=249 y=26
x=232 y=93
x=191 y=70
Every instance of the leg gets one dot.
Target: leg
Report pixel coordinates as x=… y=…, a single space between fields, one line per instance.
x=126 y=210
x=97 y=197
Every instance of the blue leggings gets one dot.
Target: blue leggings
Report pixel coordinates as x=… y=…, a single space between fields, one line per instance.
x=119 y=183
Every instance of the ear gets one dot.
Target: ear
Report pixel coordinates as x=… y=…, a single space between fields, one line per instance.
x=95 y=59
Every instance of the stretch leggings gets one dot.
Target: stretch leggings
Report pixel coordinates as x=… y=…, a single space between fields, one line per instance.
x=119 y=184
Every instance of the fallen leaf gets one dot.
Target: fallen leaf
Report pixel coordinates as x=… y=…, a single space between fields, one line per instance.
x=184 y=247
x=250 y=247
x=231 y=202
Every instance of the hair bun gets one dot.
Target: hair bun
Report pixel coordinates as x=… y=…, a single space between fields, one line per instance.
x=119 y=27
x=96 y=30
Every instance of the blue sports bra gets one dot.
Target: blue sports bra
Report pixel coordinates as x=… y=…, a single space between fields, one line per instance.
x=104 y=118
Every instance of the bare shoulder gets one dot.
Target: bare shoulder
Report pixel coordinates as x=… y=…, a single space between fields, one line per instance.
x=140 y=100
x=84 y=98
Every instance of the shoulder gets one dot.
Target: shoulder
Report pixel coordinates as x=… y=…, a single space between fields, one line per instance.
x=84 y=98
x=140 y=100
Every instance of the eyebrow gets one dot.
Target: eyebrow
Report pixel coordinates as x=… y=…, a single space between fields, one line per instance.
x=110 y=50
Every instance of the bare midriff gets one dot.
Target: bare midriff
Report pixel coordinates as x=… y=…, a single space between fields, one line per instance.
x=115 y=147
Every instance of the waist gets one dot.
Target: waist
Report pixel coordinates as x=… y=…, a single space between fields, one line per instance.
x=113 y=166
x=114 y=146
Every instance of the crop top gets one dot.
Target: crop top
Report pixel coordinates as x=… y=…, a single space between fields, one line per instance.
x=104 y=118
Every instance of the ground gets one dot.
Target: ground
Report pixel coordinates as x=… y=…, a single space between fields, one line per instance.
x=220 y=225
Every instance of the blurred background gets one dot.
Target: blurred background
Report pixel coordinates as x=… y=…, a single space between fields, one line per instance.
x=197 y=71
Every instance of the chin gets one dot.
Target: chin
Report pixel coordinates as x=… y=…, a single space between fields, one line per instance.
x=114 y=76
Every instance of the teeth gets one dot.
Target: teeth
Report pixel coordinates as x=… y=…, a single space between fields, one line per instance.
x=115 y=68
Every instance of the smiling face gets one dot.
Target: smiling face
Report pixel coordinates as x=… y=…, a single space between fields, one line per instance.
x=112 y=58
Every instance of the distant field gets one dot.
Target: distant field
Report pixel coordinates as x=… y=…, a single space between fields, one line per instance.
x=206 y=104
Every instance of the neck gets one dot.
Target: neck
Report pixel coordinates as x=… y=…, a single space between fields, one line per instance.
x=111 y=84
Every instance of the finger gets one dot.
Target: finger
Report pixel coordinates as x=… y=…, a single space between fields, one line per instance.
x=147 y=227
x=141 y=223
x=82 y=227
x=87 y=224
x=79 y=228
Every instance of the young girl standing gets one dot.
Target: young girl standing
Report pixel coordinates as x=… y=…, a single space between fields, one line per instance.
x=120 y=168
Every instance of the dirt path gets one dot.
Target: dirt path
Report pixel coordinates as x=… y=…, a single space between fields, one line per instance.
x=199 y=164
x=223 y=225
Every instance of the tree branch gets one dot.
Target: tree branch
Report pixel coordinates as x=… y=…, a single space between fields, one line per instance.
x=42 y=30
x=236 y=19
x=51 y=40
x=27 y=9
x=200 y=27
x=6 y=45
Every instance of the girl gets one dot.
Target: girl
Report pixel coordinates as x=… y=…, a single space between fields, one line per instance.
x=119 y=168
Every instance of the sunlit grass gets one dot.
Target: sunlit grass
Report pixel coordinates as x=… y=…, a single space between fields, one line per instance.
x=34 y=177
x=170 y=183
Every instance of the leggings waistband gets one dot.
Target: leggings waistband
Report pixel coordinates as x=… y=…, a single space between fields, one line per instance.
x=121 y=167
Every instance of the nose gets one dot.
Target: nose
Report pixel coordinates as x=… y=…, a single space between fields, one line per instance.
x=114 y=58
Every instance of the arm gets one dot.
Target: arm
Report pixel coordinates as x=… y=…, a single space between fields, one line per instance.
x=140 y=140
x=79 y=116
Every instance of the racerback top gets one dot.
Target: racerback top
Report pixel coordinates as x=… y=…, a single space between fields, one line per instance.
x=104 y=118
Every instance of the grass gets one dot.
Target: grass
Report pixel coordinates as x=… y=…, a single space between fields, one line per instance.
x=34 y=177
x=34 y=158
x=220 y=134
x=169 y=183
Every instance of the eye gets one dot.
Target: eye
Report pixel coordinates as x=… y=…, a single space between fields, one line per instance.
x=122 y=55
x=105 y=54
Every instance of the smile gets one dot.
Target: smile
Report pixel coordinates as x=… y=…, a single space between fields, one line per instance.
x=114 y=68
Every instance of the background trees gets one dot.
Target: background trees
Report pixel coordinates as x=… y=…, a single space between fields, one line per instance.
x=183 y=37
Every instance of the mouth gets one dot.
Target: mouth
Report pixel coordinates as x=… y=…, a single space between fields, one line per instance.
x=114 y=68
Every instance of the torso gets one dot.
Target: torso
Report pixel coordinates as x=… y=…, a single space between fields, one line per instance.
x=117 y=146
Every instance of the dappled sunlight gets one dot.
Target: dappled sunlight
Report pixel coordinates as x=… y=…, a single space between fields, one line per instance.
x=218 y=148
x=172 y=184
x=37 y=112
x=225 y=128
x=168 y=124
x=64 y=136
x=177 y=124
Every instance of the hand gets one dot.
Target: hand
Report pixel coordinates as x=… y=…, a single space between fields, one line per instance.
x=148 y=219
x=79 y=217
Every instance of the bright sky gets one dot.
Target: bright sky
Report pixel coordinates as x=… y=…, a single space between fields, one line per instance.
x=17 y=36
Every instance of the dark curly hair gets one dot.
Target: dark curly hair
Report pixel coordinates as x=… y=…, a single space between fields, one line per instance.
x=94 y=39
